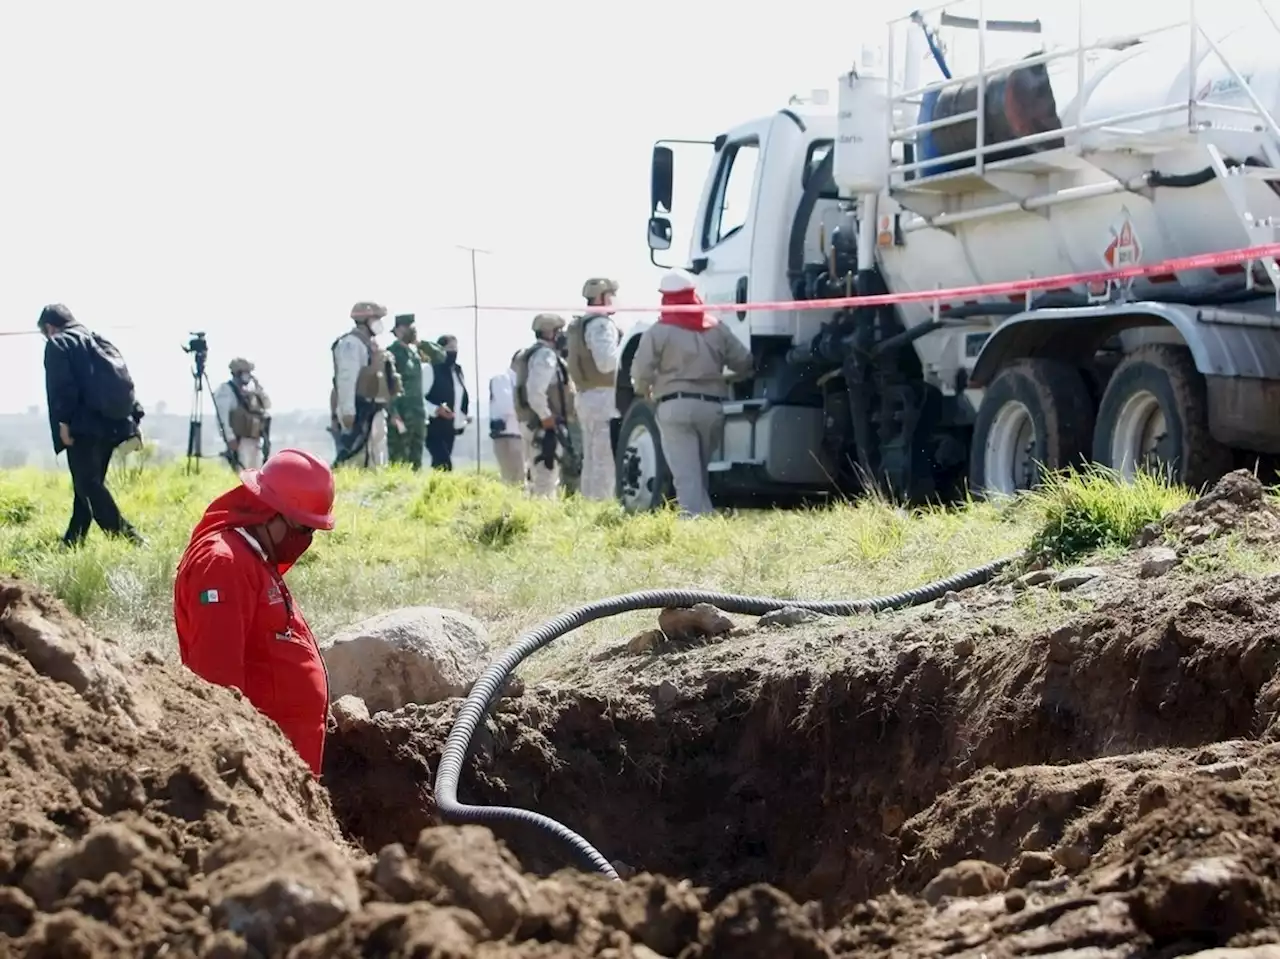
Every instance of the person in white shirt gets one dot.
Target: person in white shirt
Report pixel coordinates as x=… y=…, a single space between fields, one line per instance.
x=504 y=426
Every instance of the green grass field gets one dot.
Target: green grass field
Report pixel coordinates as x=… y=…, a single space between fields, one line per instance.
x=464 y=541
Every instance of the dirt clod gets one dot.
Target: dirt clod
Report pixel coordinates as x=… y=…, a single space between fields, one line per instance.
x=349 y=712
x=969 y=877
x=699 y=622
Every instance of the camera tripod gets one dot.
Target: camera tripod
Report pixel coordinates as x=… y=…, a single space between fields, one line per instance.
x=198 y=348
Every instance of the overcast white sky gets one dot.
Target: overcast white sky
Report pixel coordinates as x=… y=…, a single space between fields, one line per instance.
x=253 y=169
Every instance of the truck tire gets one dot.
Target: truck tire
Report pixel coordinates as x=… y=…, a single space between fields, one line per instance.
x=1035 y=417
x=1155 y=411
x=644 y=481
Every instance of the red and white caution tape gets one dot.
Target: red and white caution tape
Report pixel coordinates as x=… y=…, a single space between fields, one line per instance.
x=1163 y=270
x=1064 y=280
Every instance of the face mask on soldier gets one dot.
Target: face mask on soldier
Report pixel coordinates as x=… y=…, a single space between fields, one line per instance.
x=375 y=327
x=562 y=341
x=451 y=357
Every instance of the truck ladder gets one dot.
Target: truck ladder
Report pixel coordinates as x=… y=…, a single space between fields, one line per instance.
x=1259 y=231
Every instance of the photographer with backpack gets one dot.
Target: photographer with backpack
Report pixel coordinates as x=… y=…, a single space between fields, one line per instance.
x=92 y=410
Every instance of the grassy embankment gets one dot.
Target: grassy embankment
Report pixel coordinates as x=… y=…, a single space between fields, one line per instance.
x=466 y=542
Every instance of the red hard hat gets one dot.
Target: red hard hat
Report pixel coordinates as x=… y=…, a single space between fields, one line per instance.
x=295 y=484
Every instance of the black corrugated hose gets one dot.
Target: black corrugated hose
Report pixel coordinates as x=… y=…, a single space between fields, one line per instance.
x=489 y=685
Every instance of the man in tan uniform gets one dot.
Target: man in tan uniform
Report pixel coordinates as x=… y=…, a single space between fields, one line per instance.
x=680 y=363
x=243 y=410
x=365 y=382
x=594 y=346
x=544 y=404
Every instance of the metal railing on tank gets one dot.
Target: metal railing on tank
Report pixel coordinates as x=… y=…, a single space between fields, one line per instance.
x=916 y=169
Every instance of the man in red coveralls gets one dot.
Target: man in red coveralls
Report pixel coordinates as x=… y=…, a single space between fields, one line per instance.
x=237 y=624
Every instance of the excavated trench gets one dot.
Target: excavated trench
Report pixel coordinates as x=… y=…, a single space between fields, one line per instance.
x=842 y=776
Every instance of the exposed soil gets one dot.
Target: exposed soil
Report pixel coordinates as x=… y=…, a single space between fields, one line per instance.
x=966 y=779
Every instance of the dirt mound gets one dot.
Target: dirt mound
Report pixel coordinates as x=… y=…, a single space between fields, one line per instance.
x=972 y=778
x=117 y=778
x=1237 y=504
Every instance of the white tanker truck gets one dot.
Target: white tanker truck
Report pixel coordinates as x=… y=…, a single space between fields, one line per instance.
x=1137 y=149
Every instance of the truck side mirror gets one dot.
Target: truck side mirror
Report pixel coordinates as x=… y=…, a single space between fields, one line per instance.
x=659 y=233
x=661 y=177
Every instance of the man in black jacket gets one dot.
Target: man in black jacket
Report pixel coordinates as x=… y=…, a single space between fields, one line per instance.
x=91 y=411
x=447 y=402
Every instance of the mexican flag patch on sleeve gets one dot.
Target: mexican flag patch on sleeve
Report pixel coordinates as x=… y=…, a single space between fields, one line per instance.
x=208 y=596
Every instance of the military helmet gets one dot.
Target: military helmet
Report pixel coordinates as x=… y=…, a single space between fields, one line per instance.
x=367 y=310
x=598 y=286
x=548 y=323
x=240 y=365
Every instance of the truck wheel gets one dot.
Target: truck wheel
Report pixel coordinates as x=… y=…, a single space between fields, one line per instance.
x=1035 y=417
x=644 y=482
x=1154 y=415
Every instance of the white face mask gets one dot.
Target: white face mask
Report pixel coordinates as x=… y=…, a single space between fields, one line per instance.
x=375 y=327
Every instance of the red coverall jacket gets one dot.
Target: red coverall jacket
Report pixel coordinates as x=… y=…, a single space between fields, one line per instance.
x=238 y=625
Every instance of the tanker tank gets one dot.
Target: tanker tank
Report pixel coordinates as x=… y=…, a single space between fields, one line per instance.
x=1137 y=186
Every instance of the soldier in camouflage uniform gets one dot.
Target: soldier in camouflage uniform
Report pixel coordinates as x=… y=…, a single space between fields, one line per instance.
x=408 y=433
x=365 y=383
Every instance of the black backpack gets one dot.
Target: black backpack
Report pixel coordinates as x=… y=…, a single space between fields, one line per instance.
x=108 y=387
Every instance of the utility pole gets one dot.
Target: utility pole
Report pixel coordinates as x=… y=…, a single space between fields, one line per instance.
x=475 y=336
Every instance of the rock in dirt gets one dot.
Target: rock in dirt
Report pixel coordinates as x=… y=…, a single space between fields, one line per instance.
x=419 y=654
x=646 y=642
x=349 y=712
x=1037 y=577
x=698 y=623
x=971 y=877
x=758 y=922
x=276 y=888
x=789 y=616
x=1076 y=577
x=1157 y=561
x=1218 y=892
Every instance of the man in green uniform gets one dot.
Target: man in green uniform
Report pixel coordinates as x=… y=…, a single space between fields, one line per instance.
x=408 y=433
